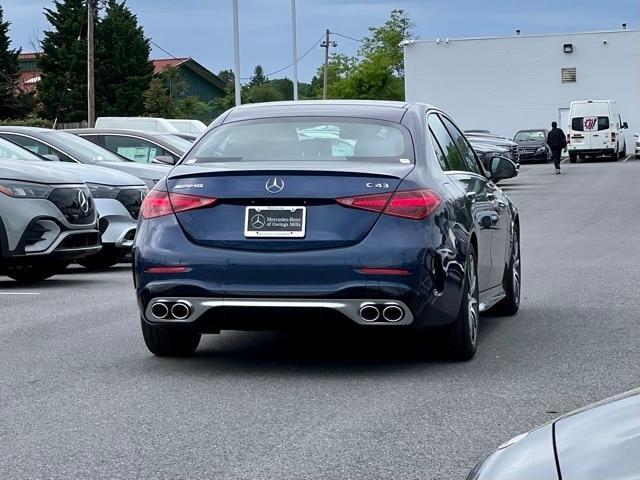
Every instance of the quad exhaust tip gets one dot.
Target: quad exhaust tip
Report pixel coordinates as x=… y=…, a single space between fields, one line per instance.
x=180 y=311
x=369 y=313
x=393 y=313
x=390 y=313
x=159 y=310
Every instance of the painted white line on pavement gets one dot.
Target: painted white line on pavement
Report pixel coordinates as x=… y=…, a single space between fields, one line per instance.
x=628 y=158
x=19 y=293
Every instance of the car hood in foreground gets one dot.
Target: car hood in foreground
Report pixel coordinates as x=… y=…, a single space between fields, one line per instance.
x=492 y=141
x=601 y=441
x=144 y=171
x=96 y=174
x=36 y=172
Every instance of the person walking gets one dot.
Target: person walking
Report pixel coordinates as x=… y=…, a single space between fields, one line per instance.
x=557 y=141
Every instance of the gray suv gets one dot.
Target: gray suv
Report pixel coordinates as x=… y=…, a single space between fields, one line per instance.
x=47 y=220
x=117 y=195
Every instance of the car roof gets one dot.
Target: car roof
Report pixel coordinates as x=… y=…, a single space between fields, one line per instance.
x=121 y=131
x=375 y=109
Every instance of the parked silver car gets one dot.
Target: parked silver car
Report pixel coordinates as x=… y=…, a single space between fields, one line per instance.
x=47 y=219
x=117 y=195
x=70 y=148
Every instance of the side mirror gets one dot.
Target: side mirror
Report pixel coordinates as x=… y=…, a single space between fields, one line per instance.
x=625 y=125
x=166 y=159
x=51 y=157
x=502 y=167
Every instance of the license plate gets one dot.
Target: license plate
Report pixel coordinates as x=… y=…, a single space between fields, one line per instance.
x=270 y=222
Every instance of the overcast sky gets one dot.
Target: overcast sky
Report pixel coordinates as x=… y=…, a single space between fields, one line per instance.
x=202 y=28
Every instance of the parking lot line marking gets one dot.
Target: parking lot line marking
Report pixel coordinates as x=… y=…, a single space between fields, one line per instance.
x=19 y=293
x=628 y=157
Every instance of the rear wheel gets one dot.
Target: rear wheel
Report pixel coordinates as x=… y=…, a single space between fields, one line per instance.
x=512 y=281
x=169 y=341
x=613 y=157
x=573 y=157
x=463 y=333
x=103 y=259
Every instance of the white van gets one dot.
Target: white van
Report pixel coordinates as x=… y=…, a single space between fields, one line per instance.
x=194 y=127
x=595 y=128
x=149 y=124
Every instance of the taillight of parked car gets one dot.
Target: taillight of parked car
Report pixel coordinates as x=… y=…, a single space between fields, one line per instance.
x=413 y=204
x=568 y=138
x=159 y=203
x=613 y=137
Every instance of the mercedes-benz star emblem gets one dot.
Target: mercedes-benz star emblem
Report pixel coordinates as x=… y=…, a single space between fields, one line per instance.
x=83 y=202
x=258 y=221
x=274 y=185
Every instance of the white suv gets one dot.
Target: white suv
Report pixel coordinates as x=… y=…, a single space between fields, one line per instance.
x=595 y=128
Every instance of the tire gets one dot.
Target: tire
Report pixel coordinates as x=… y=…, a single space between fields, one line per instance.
x=623 y=153
x=573 y=157
x=103 y=259
x=169 y=341
x=34 y=273
x=614 y=157
x=462 y=334
x=513 y=281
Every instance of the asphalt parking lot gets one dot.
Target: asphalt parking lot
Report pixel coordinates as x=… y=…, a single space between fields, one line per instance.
x=80 y=396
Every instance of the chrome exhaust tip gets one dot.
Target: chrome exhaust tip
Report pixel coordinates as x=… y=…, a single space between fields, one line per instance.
x=393 y=313
x=180 y=310
x=159 y=310
x=369 y=313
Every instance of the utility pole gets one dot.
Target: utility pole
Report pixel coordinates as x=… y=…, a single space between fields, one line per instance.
x=294 y=49
x=91 y=87
x=236 y=53
x=326 y=44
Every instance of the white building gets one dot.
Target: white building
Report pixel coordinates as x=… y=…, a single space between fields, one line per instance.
x=525 y=81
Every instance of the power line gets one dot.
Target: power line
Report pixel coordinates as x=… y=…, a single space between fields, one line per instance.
x=347 y=36
x=159 y=47
x=284 y=68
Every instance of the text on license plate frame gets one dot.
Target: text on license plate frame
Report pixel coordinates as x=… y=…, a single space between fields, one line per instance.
x=274 y=233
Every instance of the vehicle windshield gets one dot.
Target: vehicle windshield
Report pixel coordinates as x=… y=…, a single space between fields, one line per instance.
x=179 y=144
x=305 y=139
x=11 y=151
x=85 y=150
x=530 y=136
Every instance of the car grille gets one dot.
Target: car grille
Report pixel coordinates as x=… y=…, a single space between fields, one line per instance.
x=76 y=204
x=132 y=199
x=79 y=240
x=527 y=151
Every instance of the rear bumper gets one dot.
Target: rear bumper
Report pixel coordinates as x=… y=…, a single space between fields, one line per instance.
x=591 y=151
x=231 y=289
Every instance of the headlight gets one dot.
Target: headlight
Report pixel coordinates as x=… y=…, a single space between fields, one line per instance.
x=103 y=191
x=24 y=189
x=150 y=183
x=541 y=150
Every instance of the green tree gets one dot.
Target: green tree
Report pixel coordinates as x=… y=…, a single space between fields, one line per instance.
x=9 y=104
x=263 y=93
x=157 y=101
x=385 y=40
x=193 y=108
x=123 y=70
x=340 y=66
x=373 y=79
x=258 y=77
x=226 y=76
x=284 y=86
x=63 y=62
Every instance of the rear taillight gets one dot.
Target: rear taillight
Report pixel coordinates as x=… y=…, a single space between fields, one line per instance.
x=568 y=138
x=613 y=137
x=413 y=204
x=158 y=203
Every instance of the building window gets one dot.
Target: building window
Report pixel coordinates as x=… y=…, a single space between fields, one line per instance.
x=569 y=75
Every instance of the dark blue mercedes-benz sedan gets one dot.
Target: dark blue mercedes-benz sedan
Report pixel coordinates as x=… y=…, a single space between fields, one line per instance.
x=324 y=214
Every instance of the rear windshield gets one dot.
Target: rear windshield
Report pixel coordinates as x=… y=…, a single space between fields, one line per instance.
x=305 y=139
x=589 y=124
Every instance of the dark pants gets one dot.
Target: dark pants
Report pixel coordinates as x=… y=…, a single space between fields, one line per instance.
x=555 y=155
